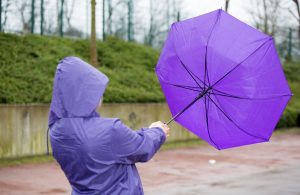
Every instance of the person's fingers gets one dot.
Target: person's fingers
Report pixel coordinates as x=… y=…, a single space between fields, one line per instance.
x=167 y=130
x=168 y=133
x=166 y=126
x=162 y=125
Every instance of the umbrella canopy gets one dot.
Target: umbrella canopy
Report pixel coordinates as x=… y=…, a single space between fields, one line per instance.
x=223 y=80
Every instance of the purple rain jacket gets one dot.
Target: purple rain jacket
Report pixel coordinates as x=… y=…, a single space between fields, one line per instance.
x=97 y=154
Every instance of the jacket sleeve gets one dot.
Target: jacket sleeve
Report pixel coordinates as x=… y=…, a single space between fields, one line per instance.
x=129 y=147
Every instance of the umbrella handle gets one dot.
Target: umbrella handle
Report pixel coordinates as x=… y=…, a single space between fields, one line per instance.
x=189 y=105
x=183 y=110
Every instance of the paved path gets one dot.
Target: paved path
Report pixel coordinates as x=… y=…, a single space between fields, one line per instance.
x=268 y=168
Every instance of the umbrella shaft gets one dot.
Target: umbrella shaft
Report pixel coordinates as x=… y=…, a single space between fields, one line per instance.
x=189 y=105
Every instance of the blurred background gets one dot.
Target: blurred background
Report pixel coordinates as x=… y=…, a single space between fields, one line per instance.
x=123 y=39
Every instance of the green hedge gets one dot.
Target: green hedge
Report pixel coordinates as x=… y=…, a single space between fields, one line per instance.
x=27 y=66
x=292 y=71
x=289 y=118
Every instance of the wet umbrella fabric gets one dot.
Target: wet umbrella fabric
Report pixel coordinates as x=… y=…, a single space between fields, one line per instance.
x=223 y=80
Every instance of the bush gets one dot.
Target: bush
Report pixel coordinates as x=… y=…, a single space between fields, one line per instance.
x=298 y=119
x=289 y=118
x=292 y=71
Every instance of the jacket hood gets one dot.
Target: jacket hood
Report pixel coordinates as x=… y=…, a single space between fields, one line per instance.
x=77 y=89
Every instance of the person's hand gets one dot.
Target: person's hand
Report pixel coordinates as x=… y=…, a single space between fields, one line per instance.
x=161 y=125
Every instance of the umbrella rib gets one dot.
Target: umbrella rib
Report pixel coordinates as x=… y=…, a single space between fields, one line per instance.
x=205 y=85
x=190 y=73
x=197 y=89
x=206 y=102
x=230 y=119
x=248 y=98
x=242 y=61
x=227 y=94
x=232 y=96
x=214 y=89
x=186 y=87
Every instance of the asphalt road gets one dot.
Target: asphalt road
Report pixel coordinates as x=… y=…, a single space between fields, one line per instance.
x=267 y=168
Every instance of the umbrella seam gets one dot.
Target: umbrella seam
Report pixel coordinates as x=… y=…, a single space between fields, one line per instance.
x=184 y=87
x=206 y=48
x=268 y=39
x=231 y=120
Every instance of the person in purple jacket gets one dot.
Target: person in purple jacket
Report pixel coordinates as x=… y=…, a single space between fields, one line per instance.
x=97 y=154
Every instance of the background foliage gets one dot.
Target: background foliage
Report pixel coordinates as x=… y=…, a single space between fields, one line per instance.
x=28 y=63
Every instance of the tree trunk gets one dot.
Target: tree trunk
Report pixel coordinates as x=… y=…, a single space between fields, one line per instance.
x=226 y=5
x=109 y=18
x=266 y=17
x=32 y=15
x=42 y=18
x=93 y=34
x=103 y=19
x=178 y=16
x=0 y=15
x=298 y=16
x=61 y=19
x=130 y=20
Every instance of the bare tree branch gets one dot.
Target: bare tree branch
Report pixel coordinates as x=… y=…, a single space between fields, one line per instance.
x=266 y=15
x=69 y=12
x=23 y=7
x=293 y=14
x=296 y=16
x=226 y=5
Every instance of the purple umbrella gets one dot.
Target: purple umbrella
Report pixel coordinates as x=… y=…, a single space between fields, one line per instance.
x=223 y=80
